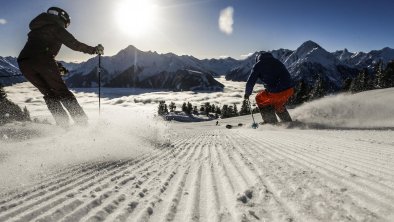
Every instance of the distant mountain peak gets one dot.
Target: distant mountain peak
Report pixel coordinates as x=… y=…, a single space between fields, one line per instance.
x=343 y=54
x=309 y=45
x=128 y=50
x=387 y=49
x=130 y=47
x=311 y=52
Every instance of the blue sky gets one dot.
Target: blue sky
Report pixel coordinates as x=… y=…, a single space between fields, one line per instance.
x=192 y=26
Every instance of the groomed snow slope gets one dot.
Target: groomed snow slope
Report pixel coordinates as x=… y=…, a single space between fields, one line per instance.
x=309 y=171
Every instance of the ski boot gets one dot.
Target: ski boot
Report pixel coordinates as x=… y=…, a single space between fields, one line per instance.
x=76 y=112
x=57 y=111
x=284 y=116
x=268 y=114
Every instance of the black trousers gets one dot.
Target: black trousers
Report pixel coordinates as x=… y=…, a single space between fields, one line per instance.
x=44 y=74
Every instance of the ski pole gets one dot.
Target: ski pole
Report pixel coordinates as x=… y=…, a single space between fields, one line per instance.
x=255 y=125
x=99 y=82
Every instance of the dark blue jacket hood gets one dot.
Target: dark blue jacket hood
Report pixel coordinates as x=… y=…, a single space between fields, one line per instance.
x=263 y=55
x=271 y=72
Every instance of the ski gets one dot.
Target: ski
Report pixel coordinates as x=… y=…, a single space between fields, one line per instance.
x=229 y=126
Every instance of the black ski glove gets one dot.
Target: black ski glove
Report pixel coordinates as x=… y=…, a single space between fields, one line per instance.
x=99 y=49
x=63 y=71
x=246 y=97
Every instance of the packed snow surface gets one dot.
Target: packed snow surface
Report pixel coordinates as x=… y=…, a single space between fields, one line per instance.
x=335 y=163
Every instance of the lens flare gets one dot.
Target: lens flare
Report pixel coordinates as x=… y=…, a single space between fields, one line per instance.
x=136 y=17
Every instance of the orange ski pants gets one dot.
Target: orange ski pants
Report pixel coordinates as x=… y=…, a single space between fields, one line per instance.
x=277 y=100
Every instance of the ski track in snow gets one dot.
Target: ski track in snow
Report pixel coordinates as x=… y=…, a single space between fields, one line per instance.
x=216 y=174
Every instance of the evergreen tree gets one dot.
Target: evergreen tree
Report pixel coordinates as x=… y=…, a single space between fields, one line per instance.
x=346 y=84
x=218 y=110
x=235 y=110
x=318 y=90
x=9 y=111
x=357 y=84
x=225 y=113
x=213 y=108
x=165 y=109
x=26 y=114
x=3 y=95
x=207 y=108
x=172 y=106
x=369 y=81
x=362 y=82
x=245 y=110
x=161 y=109
x=195 y=110
x=230 y=111
x=189 y=108
x=388 y=75
x=301 y=93
x=184 y=107
x=379 y=75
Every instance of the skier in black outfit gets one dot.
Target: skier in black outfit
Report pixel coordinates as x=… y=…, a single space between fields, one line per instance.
x=37 y=63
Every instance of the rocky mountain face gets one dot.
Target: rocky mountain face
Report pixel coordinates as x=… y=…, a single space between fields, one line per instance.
x=9 y=71
x=365 y=60
x=310 y=62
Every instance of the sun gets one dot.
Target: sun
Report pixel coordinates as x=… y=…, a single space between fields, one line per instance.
x=136 y=17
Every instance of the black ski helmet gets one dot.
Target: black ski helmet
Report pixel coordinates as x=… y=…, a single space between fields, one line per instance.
x=61 y=13
x=262 y=54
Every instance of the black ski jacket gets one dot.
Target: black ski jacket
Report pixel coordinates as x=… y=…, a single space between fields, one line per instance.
x=271 y=72
x=47 y=36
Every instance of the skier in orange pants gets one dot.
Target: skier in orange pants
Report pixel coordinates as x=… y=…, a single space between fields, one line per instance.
x=278 y=88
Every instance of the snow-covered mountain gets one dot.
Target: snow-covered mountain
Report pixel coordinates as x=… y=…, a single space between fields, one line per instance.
x=241 y=72
x=154 y=63
x=177 y=72
x=311 y=52
x=308 y=62
x=220 y=66
x=9 y=71
x=134 y=77
x=362 y=59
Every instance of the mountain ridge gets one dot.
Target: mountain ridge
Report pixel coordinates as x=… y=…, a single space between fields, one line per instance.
x=311 y=62
x=307 y=62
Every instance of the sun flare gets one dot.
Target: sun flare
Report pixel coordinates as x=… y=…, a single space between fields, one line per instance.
x=136 y=17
